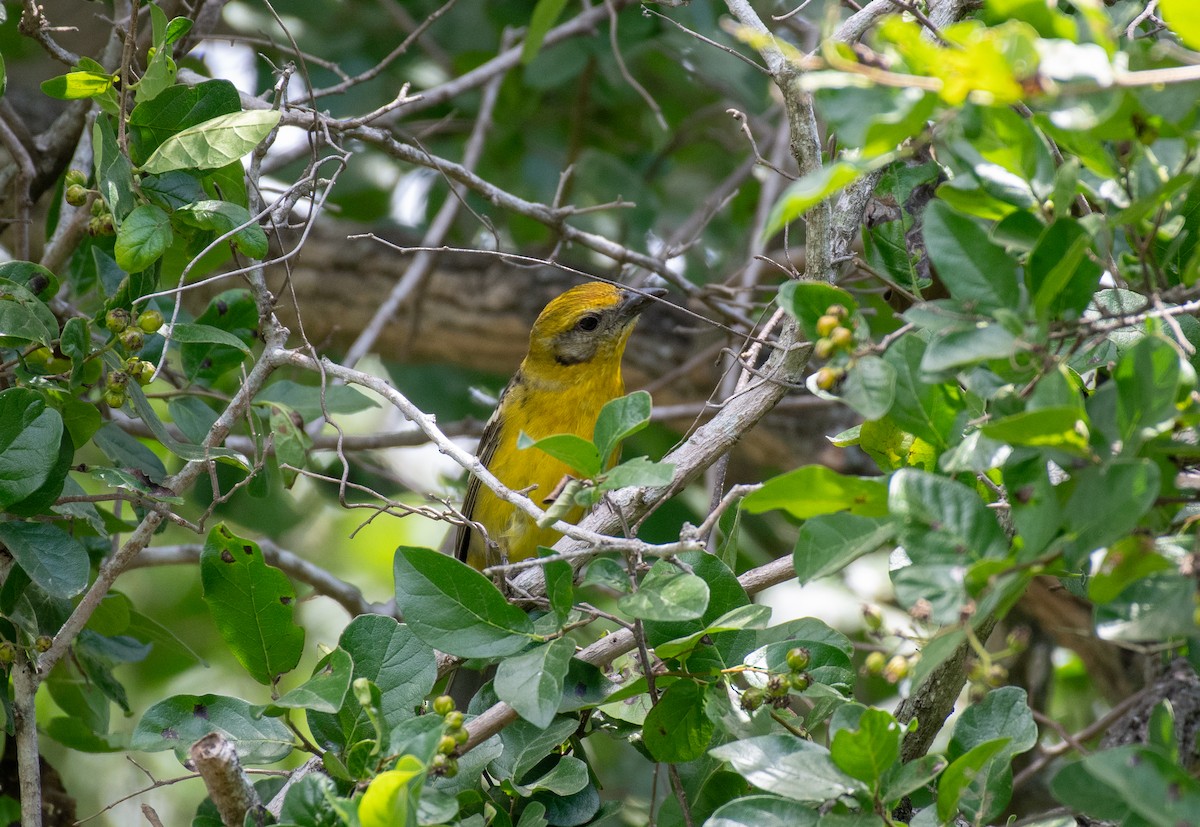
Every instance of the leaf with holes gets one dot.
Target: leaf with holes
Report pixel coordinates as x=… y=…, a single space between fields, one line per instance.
x=251 y=604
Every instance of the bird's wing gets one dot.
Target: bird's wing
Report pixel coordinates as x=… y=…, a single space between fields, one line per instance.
x=487 y=449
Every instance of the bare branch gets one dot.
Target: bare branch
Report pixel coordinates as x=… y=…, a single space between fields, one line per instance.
x=228 y=785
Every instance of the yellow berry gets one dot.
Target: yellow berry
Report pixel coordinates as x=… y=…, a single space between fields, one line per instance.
x=826 y=324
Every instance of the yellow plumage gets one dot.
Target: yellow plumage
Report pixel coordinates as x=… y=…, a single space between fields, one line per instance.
x=573 y=367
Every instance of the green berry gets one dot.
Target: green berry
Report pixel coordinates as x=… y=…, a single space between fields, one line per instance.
x=76 y=195
x=872 y=617
x=447 y=744
x=150 y=320
x=8 y=652
x=43 y=643
x=800 y=681
x=76 y=178
x=838 y=311
x=454 y=720
x=823 y=349
x=443 y=704
x=114 y=397
x=118 y=379
x=116 y=319
x=875 y=663
x=798 y=659
x=132 y=339
x=461 y=735
x=826 y=324
x=752 y=699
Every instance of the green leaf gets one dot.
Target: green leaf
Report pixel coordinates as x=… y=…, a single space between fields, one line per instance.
x=307 y=400
x=809 y=190
x=637 y=471
x=943 y=518
x=181 y=720
x=454 y=608
x=788 y=766
x=1130 y=785
x=935 y=652
x=1160 y=731
x=1126 y=561
x=544 y=15
x=33 y=277
x=904 y=779
x=962 y=774
x=185 y=333
x=574 y=451
x=869 y=751
x=1003 y=712
x=725 y=593
x=1183 y=18
x=925 y=410
x=142 y=238
x=78 y=85
x=233 y=311
x=394 y=660
x=869 y=387
x=325 y=691
x=829 y=542
x=532 y=682
x=677 y=730
x=526 y=746
x=815 y=489
x=619 y=419
x=954 y=349
x=763 y=811
x=390 y=798
x=23 y=317
x=53 y=559
x=1060 y=275
x=667 y=594
x=972 y=267
x=114 y=175
x=30 y=433
x=213 y=143
x=224 y=218
x=560 y=585
x=1147 y=377
x=174 y=109
x=1061 y=427
x=753 y=616
x=1109 y=501
x=807 y=301
x=251 y=604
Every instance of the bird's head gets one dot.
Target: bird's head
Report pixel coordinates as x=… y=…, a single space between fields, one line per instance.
x=588 y=323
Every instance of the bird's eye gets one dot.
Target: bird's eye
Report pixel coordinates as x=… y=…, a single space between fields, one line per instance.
x=588 y=323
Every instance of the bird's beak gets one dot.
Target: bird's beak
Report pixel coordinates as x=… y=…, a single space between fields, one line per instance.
x=634 y=301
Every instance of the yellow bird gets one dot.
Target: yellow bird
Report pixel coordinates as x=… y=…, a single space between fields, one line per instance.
x=572 y=369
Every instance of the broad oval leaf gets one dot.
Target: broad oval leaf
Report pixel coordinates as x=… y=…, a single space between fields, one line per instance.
x=532 y=682
x=30 y=432
x=53 y=559
x=667 y=593
x=212 y=143
x=251 y=604
x=454 y=608
x=676 y=729
x=179 y=721
x=142 y=238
